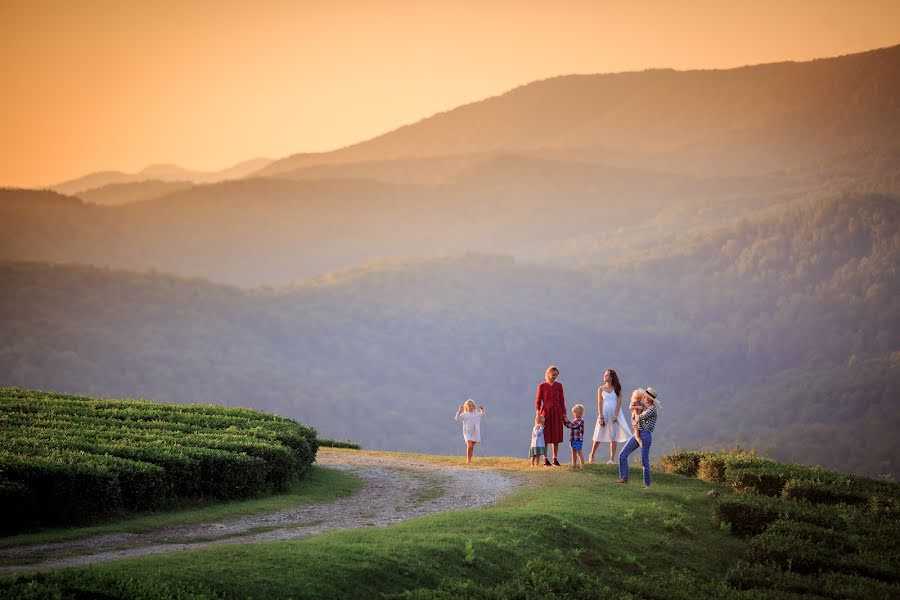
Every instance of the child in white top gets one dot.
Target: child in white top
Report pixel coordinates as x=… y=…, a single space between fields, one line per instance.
x=471 y=421
x=538 y=447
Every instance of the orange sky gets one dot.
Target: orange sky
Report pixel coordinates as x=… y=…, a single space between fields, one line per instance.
x=96 y=84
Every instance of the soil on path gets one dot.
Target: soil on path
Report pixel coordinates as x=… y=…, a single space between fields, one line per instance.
x=395 y=489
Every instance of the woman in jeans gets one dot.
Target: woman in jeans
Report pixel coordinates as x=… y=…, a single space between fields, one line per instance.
x=646 y=421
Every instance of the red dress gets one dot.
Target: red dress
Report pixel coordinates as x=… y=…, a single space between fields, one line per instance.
x=551 y=403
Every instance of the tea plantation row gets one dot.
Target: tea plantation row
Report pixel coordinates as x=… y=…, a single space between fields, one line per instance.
x=69 y=459
x=810 y=531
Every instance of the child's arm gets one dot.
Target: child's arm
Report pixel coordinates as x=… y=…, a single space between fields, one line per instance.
x=481 y=406
x=458 y=411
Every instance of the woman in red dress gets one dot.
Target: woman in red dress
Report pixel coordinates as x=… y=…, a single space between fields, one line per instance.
x=551 y=404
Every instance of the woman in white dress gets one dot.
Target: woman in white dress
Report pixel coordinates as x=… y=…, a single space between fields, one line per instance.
x=613 y=425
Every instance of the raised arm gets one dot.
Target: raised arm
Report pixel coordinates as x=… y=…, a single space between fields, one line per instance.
x=458 y=411
x=481 y=407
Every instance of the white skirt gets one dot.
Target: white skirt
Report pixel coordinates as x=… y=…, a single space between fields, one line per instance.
x=614 y=431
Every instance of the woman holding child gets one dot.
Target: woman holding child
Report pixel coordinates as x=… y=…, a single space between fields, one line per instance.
x=643 y=404
x=550 y=403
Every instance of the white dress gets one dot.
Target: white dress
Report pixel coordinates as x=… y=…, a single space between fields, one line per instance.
x=471 y=425
x=613 y=432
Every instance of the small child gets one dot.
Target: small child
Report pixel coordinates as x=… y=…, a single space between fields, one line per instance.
x=637 y=406
x=538 y=447
x=471 y=421
x=576 y=437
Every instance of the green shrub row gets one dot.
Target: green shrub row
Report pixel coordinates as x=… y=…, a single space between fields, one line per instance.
x=90 y=584
x=809 y=549
x=325 y=442
x=769 y=577
x=68 y=459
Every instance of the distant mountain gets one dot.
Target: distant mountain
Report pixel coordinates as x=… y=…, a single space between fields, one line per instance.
x=271 y=231
x=737 y=121
x=123 y=193
x=159 y=172
x=731 y=325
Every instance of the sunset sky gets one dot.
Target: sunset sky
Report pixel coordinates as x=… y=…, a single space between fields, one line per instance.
x=94 y=85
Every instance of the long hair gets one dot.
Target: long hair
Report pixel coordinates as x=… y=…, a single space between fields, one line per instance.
x=615 y=382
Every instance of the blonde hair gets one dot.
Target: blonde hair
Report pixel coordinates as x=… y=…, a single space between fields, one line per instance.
x=578 y=409
x=469 y=403
x=637 y=394
x=551 y=368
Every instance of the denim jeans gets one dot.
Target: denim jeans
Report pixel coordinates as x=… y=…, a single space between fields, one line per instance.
x=630 y=446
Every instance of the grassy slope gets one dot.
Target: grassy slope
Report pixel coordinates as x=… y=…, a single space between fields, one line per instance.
x=319 y=485
x=611 y=531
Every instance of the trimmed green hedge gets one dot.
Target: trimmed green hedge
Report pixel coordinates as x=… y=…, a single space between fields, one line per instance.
x=683 y=462
x=71 y=459
x=767 y=577
x=88 y=584
x=325 y=442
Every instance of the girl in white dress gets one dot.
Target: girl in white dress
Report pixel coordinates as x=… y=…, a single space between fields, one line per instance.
x=471 y=421
x=613 y=426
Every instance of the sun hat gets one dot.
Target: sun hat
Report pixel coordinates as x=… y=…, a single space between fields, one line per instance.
x=652 y=393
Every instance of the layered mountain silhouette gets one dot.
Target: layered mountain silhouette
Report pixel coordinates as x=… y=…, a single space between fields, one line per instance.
x=155 y=173
x=736 y=121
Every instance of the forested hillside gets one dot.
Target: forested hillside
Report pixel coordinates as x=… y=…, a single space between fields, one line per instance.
x=778 y=330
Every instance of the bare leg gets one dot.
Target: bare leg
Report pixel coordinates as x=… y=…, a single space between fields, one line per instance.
x=555 y=450
x=573 y=458
x=612 y=450
x=594 y=451
x=470 y=447
x=581 y=458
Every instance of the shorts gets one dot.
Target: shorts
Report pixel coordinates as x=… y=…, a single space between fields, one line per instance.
x=538 y=451
x=577 y=445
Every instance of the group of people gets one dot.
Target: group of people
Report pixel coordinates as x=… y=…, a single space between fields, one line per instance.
x=613 y=426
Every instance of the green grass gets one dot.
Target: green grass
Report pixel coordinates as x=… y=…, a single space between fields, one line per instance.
x=318 y=485
x=578 y=520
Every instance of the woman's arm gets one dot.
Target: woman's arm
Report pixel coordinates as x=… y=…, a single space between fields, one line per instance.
x=600 y=406
x=618 y=407
x=538 y=402
x=562 y=397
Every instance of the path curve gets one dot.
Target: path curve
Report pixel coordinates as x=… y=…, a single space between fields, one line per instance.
x=395 y=489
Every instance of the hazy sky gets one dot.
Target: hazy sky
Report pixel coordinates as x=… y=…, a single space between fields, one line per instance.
x=93 y=85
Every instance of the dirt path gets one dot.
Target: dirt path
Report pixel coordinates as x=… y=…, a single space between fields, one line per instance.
x=396 y=489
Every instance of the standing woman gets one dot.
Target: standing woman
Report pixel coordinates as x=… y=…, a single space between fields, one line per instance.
x=612 y=424
x=646 y=422
x=550 y=403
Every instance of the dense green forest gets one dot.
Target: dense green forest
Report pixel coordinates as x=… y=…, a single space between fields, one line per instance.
x=69 y=459
x=778 y=331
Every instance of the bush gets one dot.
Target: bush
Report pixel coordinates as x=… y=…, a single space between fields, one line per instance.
x=748 y=576
x=324 y=442
x=88 y=584
x=819 y=492
x=751 y=514
x=70 y=459
x=767 y=479
x=809 y=549
x=684 y=462
x=711 y=467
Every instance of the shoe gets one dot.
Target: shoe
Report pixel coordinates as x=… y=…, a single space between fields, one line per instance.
x=610 y=462
x=556 y=463
x=621 y=481
x=547 y=463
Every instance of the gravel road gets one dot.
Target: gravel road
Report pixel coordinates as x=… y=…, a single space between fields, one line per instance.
x=396 y=489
